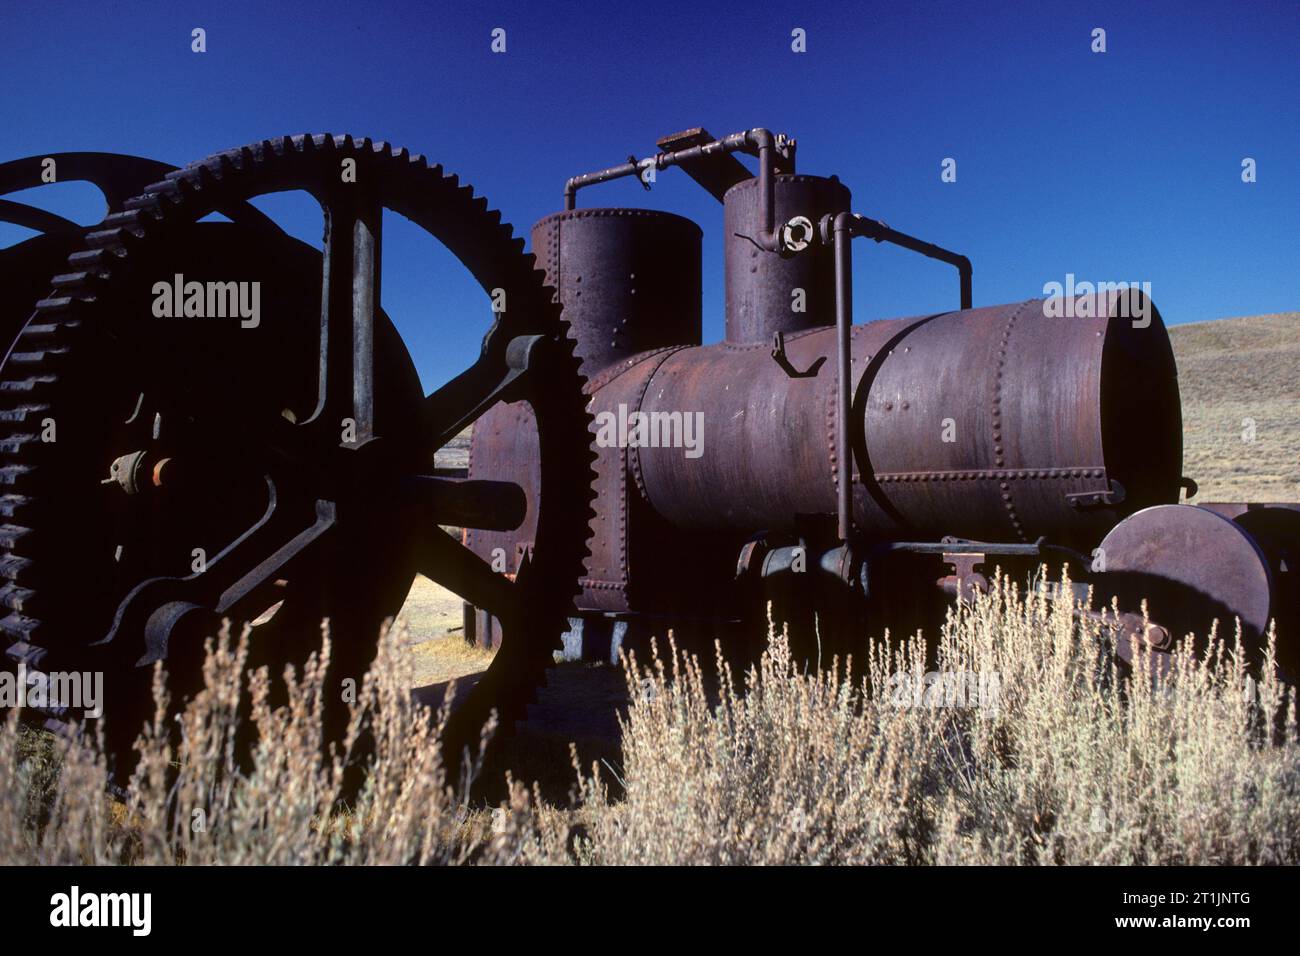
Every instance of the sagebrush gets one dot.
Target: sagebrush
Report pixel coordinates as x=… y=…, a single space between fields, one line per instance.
x=1062 y=760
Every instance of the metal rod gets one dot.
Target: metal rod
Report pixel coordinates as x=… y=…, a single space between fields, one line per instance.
x=366 y=257
x=844 y=368
x=759 y=142
x=839 y=230
x=962 y=547
x=736 y=142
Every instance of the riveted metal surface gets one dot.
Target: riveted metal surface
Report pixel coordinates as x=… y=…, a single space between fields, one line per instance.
x=629 y=279
x=757 y=467
x=760 y=286
x=504 y=447
x=975 y=423
x=989 y=418
x=605 y=584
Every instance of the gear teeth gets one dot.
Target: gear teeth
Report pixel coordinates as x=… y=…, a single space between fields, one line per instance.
x=55 y=303
x=16 y=597
x=487 y=246
x=27 y=386
x=149 y=202
x=25 y=654
x=12 y=566
x=239 y=160
x=11 y=535
x=34 y=358
x=167 y=190
x=127 y=219
x=91 y=260
x=106 y=238
x=21 y=413
x=72 y=280
x=19 y=627
x=11 y=506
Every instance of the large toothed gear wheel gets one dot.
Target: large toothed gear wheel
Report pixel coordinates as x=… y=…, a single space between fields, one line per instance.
x=207 y=468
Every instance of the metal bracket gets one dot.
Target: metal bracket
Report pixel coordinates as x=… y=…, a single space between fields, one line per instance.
x=965 y=582
x=641 y=175
x=783 y=360
x=1097 y=499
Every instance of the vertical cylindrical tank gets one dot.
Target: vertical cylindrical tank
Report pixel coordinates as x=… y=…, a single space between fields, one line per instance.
x=761 y=286
x=629 y=279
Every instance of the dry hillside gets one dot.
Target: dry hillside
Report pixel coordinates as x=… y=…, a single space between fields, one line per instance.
x=1232 y=373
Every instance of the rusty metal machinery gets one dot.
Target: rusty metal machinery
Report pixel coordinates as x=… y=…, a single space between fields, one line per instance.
x=880 y=457
x=161 y=475
x=856 y=476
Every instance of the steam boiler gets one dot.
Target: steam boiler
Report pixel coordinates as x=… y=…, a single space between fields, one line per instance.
x=168 y=469
x=851 y=473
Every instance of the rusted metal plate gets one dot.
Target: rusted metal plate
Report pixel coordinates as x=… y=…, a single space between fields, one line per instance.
x=978 y=424
x=1192 y=567
x=504 y=447
x=629 y=279
x=1276 y=529
x=1235 y=509
x=716 y=173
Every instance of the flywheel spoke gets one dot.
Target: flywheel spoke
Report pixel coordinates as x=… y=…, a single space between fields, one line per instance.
x=499 y=375
x=444 y=560
x=235 y=582
x=350 y=287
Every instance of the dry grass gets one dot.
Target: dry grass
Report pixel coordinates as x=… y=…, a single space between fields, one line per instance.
x=191 y=801
x=1070 y=763
x=1232 y=372
x=436 y=640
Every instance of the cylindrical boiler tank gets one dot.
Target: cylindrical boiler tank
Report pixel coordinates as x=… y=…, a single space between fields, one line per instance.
x=995 y=424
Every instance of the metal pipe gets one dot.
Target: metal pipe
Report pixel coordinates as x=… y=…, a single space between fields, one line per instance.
x=759 y=142
x=844 y=368
x=840 y=230
x=874 y=229
x=736 y=142
x=763 y=141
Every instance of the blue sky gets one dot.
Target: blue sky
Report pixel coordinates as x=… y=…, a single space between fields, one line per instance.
x=1117 y=166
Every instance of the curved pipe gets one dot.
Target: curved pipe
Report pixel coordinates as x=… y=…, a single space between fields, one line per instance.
x=839 y=230
x=759 y=142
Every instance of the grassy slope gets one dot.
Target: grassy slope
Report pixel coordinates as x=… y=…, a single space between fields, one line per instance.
x=1231 y=370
